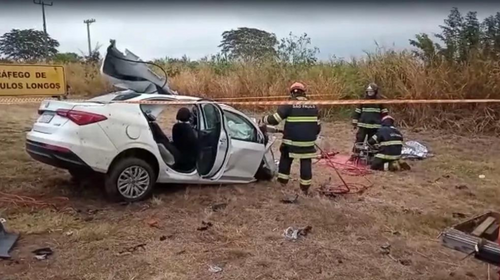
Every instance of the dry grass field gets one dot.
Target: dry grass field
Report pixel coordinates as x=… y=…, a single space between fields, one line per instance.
x=158 y=238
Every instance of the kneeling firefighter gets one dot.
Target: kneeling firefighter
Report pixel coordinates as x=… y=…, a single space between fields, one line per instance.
x=367 y=117
x=301 y=130
x=390 y=142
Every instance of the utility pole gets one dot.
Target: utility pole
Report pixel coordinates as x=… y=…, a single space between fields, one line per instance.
x=40 y=2
x=88 y=22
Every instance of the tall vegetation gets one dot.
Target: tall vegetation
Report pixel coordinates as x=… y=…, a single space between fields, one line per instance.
x=461 y=61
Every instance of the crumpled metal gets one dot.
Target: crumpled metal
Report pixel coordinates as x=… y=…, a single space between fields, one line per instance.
x=415 y=150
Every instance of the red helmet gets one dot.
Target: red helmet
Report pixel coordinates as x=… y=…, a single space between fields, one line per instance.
x=297 y=87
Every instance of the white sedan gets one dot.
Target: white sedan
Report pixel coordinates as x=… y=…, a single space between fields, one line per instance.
x=124 y=142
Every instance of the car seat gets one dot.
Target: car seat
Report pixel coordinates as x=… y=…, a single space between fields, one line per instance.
x=168 y=151
x=185 y=140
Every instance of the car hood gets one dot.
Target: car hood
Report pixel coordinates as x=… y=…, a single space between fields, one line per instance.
x=128 y=71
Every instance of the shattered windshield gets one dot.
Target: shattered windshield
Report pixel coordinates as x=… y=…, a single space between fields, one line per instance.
x=239 y=128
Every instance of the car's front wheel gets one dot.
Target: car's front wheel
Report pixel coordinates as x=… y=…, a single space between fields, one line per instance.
x=263 y=173
x=130 y=179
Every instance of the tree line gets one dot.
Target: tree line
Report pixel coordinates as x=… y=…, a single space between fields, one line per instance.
x=461 y=39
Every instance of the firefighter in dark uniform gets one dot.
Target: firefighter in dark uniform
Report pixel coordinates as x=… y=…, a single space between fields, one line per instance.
x=390 y=144
x=367 y=117
x=301 y=130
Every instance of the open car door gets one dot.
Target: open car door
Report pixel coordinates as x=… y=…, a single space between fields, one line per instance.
x=214 y=142
x=130 y=72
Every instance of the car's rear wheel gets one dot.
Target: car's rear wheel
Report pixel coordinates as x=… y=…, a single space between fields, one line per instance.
x=130 y=179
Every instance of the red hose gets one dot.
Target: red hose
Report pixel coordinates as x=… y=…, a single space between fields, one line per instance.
x=351 y=170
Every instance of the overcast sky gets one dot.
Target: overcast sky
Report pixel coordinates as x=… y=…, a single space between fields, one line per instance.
x=151 y=29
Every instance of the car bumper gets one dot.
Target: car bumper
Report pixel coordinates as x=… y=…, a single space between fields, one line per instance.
x=54 y=155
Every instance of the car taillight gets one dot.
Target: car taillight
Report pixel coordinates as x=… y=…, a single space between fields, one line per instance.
x=80 y=117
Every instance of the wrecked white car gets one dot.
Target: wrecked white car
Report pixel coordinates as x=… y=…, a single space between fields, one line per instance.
x=124 y=142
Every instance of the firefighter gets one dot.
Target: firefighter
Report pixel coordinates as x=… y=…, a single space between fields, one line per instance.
x=301 y=129
x=390 y=144
x=367 y=117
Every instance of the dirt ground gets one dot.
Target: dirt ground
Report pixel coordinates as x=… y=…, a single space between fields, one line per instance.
x=158 y=238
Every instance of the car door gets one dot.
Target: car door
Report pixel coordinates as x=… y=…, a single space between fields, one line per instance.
x=214 y=143
x=128 y=71
x=247 y=148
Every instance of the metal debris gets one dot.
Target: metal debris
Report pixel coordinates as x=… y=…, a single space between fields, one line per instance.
x=7 y=240
x=290 y=199
x=42 y=253
x=218 y=206
x=215 y=269
x=294 y=234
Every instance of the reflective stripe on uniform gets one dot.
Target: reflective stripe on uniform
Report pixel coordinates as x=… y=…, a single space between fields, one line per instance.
x=283 y=176
x=265 y=120
x=298 y=143
x=374 y=137
x=277 y=117
x=306 y=182
x=302 y=119
x=385 y=110
x=371 y=110
x=357 y=110
x=367 y=125
x=354 y=121
x=388 y=157
x=391 y=143
x=300 y=156
x=386 y=166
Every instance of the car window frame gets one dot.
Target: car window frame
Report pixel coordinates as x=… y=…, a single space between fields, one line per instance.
x=247 y=122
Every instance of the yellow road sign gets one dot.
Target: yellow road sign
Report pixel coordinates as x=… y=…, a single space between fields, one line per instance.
x=18 y=80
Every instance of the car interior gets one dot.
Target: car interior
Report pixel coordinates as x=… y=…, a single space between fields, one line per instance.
x=189 y=148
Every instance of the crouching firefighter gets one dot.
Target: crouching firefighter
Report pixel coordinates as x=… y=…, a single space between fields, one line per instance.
x=390 y=144
x=301 y=129
x=367 y=117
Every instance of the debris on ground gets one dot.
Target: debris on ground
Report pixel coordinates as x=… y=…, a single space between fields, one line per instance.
x=386 y=249
x=163 y=238
x=294 y=234
x=218 y=207
x=415 y=150
x=69 y=233
x=7 y=240
x=205 y=226
x=42 y=253
x=290 y=199
x=461 y=187
x=459 y=215
x=482 y=176
x=130 y=250
x=153 y=223
x=215 y=269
